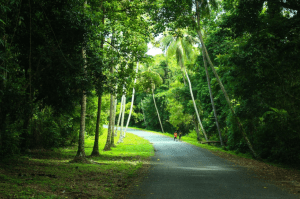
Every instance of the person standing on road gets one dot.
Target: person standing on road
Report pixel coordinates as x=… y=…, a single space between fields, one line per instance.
x=180 y=134
x=175 y=135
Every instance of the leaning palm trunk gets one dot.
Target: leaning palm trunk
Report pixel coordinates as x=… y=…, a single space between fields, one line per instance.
x=196 y=110
x=196 y=128
x=212 y=99
x=123 y=116
x=223 y=89
x=132 y=100
x=143 y=113
x=162 y=129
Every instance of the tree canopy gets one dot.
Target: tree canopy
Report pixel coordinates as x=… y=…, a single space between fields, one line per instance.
x=252 y=48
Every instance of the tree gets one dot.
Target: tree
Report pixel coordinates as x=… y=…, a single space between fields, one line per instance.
x=132 y=99
x=148 y=80
x=176 y=17
x=182 y=48
x=212 y=99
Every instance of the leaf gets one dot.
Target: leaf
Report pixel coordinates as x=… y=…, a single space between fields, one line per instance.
x=2 y=21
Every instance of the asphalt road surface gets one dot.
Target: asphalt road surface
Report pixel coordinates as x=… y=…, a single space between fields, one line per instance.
x=180 y=170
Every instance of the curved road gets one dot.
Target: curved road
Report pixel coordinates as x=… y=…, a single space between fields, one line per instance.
x=181 y=170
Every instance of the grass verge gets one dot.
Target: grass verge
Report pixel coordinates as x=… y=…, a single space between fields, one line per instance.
x=48 y=174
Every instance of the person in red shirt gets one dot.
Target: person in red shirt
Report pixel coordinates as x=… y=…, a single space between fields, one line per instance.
x=175 y=135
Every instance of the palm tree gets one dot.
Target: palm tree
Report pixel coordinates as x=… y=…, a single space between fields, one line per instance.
x=132 y=99
x=212 y=100
x=203 y=10
x=113 y=133
x=119 y=119
x=182 y=48
x=122 y=120
x=149 y=80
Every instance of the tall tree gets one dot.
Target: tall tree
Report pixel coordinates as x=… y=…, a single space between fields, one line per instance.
x=182 y=48
x=204 y=9
x=148 y=80
x=80 y=156
x=212 y=99
x=175 y=17
x=132 y=99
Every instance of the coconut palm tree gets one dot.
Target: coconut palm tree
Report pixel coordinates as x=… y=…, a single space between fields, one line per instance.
x=148 y=81
x=132 y=99
x=119 y=118
x=203 y=8
x=182 y=47
x=122 y=119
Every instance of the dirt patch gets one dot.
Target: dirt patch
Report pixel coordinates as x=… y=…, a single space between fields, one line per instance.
x=286 y=179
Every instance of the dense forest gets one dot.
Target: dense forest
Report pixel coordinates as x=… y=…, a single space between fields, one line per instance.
x=228 y=73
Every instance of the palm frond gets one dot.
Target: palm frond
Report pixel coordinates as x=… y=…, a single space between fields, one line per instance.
x=165 y=42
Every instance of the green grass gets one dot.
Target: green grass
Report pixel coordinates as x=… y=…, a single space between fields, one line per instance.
x=48 y=174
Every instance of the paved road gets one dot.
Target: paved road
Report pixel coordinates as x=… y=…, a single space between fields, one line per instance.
x=184 y=171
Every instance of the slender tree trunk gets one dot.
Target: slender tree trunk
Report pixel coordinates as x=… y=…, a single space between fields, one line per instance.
x=196 y=128
x=123 y=117
x=122 y=120
x=132 y=99
x=183 y=77
x=162 y=129
x=80 y=156
x=143 y=113
x=212 y=99
x=80 y=151
x=120 y=114
x=95 y=151
x=196 y=110
x=222 y=87
x=113 y=125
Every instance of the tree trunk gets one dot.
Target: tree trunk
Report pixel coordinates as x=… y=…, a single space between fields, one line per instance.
x=80 y=151
x=196 y=128
x=223 y=89
x=143 y=113
x=95 y=151
x=183 y=77
x=122 y=120
x=120 y=113
x=132 y=99
x=162 y=129
x=80 y=156
x=113 y=125
x=212 y=99
x=123 y=117
x=109 y=130
x=196 y=110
